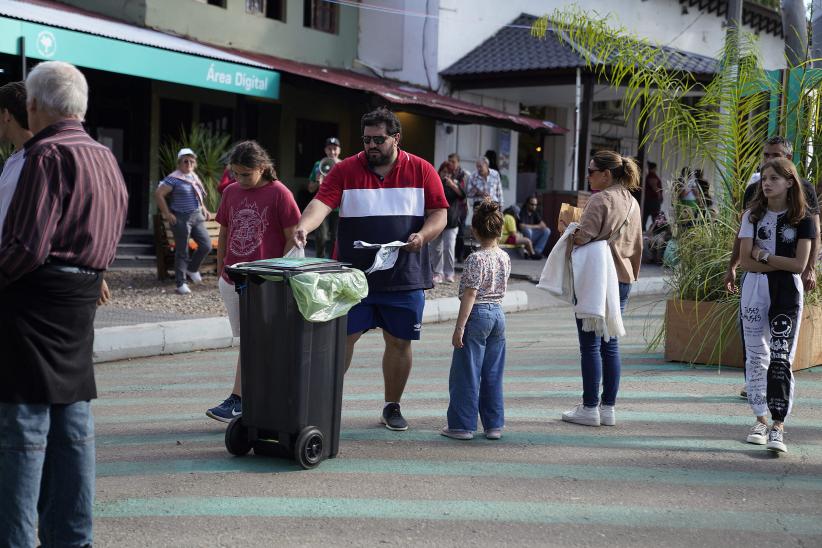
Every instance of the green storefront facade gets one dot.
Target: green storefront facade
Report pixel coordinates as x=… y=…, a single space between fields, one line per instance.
x=141 y=93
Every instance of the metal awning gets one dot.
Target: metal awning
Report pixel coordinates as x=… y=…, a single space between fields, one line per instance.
x=406 y=95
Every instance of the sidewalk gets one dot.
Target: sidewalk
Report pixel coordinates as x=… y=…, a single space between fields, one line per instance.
x=124 y=334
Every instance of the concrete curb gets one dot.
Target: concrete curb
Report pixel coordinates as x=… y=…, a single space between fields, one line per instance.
x=153 y=339
x=173 y=337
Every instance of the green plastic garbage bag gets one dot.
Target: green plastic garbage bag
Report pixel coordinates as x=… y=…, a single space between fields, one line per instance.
x=321 y=297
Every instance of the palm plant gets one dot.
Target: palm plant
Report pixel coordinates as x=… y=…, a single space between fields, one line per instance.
x=210 y=147
x=720 y=125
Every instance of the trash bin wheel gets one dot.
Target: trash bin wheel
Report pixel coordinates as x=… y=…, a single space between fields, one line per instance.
x=236 y=438
x=308 y=451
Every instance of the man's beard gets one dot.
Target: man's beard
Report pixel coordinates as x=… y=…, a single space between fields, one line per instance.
x=377 y=160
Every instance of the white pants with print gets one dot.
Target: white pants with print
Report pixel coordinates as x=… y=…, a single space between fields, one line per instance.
x=770 y=312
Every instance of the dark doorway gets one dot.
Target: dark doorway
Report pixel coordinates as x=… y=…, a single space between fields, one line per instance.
x=217 y=119
x=174 y=116
x=119 y=111
x=310 y=142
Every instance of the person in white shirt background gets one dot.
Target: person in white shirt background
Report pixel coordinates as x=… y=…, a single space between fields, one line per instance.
x=14 y=129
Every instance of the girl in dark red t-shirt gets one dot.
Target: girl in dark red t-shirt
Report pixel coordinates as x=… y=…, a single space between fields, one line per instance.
x=257 y=218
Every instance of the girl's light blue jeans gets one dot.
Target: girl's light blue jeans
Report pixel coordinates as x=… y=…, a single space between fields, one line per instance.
x=475 y=382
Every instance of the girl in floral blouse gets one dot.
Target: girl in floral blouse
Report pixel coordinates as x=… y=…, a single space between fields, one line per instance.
x=475 y=382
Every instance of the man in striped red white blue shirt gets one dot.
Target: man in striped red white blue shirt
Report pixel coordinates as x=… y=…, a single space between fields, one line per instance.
x=384 y=194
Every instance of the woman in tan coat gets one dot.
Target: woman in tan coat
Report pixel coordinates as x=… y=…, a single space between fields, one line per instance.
x=611 y=214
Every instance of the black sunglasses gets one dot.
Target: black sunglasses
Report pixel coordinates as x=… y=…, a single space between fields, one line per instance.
x=592 y=171
x=376 y=139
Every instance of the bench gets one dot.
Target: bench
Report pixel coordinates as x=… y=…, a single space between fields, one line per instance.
x=515 y=251
x=469 y=245
x=164 y=246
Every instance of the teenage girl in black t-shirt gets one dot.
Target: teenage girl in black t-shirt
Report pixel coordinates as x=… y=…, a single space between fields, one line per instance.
x=775 y=241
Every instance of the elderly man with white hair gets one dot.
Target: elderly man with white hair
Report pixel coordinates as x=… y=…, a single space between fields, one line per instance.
x=59 y=235
x=484 y=182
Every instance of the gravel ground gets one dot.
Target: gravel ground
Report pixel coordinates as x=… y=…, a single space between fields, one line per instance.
x=139 y=289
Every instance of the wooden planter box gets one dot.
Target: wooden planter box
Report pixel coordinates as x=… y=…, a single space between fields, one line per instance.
x=692 y=328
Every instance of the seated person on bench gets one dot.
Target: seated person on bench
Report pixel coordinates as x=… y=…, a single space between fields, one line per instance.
x=512 y=237
x=532 y=225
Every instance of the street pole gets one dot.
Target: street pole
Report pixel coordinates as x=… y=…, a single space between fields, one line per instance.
x=795 y=29
x=733 y=22
x=21 y=42
x=816 y=33
x=577 y=114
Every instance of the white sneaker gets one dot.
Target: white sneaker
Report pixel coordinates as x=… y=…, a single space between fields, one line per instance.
x=183 y=289
x=606 y=415
x=589 y=416
x=194 y=277
x=758 y=435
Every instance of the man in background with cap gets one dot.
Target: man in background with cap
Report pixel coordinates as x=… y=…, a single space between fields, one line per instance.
x=181 y=201
x=326 y=233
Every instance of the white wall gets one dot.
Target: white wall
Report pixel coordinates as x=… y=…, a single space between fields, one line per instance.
x=402 y=47
x=466 y=24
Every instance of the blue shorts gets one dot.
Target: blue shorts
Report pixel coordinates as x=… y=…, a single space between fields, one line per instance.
x=397 y=312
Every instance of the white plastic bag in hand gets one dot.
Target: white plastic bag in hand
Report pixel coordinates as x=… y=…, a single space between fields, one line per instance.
x=295 y=252
x=386 y=256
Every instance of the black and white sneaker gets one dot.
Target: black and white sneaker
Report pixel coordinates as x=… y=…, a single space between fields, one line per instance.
x=776 y=441
x=392 y=418
x=758 y=434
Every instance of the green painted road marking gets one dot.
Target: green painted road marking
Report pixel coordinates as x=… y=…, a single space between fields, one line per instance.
x=460 y=510
x=511 y=437
x=442 y=395
x=547 y=415
x=511 y=366
x=644 y=376
x=418 y=467
x=618 y=441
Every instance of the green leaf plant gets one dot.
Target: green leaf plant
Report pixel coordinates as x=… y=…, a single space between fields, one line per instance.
x=721 y=125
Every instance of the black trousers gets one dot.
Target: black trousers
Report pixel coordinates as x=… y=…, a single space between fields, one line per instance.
x=770 y=313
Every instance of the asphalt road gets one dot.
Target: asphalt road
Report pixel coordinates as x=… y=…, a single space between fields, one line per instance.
x=675 y=471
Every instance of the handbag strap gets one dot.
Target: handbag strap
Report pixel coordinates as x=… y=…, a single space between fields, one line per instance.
x=617 y=232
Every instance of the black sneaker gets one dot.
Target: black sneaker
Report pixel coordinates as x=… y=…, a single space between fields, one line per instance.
x=392 y=418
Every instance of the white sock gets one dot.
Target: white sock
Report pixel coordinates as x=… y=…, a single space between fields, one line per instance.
x=387 y=403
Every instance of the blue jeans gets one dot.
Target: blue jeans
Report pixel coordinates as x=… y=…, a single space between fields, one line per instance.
x=538 y=236
x=601 y=361
x=46 y=470
x=475 y=382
